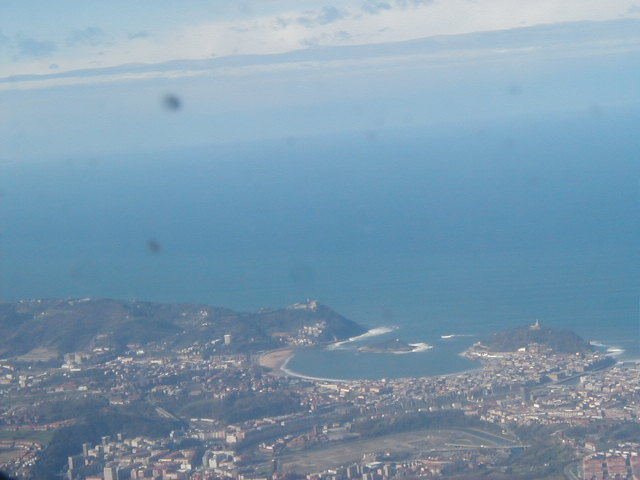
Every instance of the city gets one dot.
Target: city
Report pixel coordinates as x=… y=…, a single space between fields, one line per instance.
x=208 y=411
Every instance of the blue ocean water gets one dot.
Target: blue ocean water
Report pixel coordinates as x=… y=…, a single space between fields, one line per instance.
x=464 y=230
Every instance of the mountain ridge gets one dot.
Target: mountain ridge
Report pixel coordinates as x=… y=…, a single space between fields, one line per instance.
x=64 y=326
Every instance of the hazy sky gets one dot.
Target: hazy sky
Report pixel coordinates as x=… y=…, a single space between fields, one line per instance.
x=249 y=70
x=39 y=36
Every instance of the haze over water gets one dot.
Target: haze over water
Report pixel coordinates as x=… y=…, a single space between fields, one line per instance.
x=463 y=229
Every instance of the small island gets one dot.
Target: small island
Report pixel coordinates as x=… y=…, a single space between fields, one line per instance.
x=559 y=341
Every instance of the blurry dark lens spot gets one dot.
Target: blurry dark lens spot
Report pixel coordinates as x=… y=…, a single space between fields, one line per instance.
x=371 y=135
x=596 y=111
x=172 y=102
x=514 y=89
x=290 y=141
x=154 y=246
x=534 y=181
x=509 y=143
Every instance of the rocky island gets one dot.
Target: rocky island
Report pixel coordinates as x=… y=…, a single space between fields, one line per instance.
x=560 y=341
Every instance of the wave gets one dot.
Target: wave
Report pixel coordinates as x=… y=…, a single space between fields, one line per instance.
x=609 y=349
x=615 y=351
x=374 y=332
x=420 y=347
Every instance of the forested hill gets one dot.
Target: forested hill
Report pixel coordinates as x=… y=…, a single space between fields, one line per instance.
x=61 y=326
x=561 y=341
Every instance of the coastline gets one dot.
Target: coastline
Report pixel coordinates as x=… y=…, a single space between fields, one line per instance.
x=287 y=371
x=275 y=360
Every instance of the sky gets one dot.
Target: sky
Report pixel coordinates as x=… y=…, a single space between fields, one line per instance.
x=39 y=37
x=90 y=78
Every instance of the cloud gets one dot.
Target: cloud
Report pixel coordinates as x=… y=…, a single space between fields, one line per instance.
x=376 y=6
x=339 y=37
x=413 y=3
x=290 y=27
x=33 y=48
x=309 y=18
x=90 y=36
x=558 y=42
x=325 y=16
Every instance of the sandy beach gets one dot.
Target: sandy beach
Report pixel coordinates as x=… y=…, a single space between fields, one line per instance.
x=275 y=359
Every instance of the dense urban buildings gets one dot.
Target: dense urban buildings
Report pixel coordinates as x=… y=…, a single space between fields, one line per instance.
x=217 y=408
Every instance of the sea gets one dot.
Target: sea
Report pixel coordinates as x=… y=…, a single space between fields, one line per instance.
x=435 y=236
